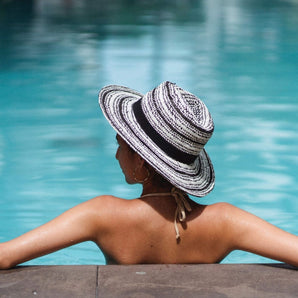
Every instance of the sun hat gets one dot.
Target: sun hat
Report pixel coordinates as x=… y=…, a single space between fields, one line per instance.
x=168 y=127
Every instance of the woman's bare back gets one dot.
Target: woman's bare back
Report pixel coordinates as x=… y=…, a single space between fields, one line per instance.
x=142 y=231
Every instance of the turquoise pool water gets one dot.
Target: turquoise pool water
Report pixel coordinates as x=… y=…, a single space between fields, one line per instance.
x=56 y=149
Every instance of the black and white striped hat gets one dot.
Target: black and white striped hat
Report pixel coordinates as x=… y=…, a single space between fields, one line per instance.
x=168 y=127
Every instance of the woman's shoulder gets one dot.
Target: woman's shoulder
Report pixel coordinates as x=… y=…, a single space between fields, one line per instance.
x=107 y=211
x=229 y=211
x=230 y=218
x=108 y=204
x=221 y=211
x=219 y=207
x=107 y=199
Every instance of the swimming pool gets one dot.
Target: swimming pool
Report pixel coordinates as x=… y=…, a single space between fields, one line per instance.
x=57 y=150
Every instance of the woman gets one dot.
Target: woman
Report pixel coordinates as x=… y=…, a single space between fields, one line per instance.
x=161 y=138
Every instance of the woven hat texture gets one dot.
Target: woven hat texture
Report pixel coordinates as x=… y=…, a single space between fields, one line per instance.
x=169 y=128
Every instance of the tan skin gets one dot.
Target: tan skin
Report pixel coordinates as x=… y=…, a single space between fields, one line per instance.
x=142 y=230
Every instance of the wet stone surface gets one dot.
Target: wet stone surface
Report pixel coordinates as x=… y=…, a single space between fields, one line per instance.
x=227 y=280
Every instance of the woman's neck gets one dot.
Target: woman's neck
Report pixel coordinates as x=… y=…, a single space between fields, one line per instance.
x=151 y=189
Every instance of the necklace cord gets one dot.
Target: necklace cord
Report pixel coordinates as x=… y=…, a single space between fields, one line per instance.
x=182 y=206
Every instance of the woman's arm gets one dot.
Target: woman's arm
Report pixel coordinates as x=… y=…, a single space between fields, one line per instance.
x=251 y=233
x=76 y=225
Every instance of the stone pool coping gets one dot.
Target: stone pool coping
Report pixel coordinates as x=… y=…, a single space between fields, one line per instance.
x=214 y=280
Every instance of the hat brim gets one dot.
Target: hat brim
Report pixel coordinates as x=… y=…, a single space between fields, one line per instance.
x=196 y=179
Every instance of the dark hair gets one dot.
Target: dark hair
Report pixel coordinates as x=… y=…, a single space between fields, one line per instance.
x=156 y=178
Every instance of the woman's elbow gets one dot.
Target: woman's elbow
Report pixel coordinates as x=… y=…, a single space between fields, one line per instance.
x=5 y=265
x=5 y=262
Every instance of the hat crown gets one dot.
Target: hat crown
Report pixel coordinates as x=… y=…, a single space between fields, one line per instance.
x=196 y=111
x=179 y=117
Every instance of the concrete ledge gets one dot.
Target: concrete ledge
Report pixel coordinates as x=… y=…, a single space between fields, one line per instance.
x=218 y=280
